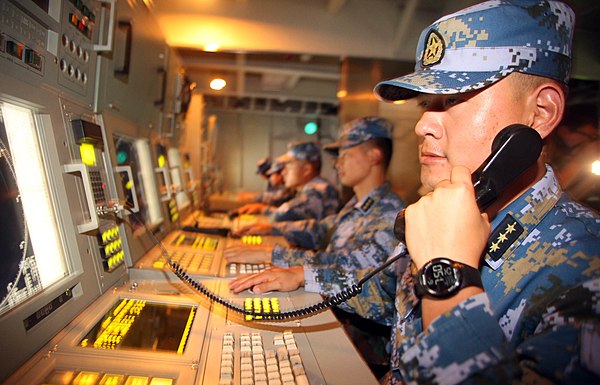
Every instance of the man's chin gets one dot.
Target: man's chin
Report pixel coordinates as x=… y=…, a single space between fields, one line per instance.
x=431 y=176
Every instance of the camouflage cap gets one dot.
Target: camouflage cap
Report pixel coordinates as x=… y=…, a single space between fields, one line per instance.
x=361 y=130
x=477 y=46
x=275 y=167
x=263 y=165
x=308 y=151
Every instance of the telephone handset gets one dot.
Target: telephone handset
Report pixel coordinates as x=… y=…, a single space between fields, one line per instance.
x=514 y=149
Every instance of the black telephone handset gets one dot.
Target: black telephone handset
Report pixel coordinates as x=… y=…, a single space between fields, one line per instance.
x=514 y=149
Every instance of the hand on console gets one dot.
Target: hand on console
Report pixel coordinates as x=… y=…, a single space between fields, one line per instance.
x=258 y=228
x=276 y=278
x=245 y=254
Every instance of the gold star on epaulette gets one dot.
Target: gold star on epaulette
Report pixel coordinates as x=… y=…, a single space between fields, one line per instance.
x=494 y=247
x=504 y=235
x=510 y=228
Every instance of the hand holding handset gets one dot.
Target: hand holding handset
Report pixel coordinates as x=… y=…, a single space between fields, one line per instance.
x=514 y=149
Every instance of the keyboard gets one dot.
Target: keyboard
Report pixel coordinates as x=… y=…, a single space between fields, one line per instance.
x=277 y=362
x=199 y=254
x=193 y=263
x=246 y=268
x=195 y=241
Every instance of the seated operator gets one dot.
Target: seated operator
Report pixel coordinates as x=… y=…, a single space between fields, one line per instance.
x=277 y=192
x=359 y=236
x=526 y=305
x=262 y=166
x=315 y=198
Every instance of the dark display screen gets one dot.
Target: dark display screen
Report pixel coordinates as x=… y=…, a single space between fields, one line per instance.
x=43 y=4
x=140 y=325
x=127 y=156
x=19 y=277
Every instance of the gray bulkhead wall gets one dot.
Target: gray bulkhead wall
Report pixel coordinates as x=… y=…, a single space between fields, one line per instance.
x=244 y=138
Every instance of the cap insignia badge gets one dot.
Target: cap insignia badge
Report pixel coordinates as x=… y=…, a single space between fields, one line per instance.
x=434 y=48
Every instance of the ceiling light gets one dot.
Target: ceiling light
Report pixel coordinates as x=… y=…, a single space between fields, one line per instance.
x=217 y=84
x=212 y=47
x=596 y=167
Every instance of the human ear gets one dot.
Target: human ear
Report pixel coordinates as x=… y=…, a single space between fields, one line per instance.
x=375 y=155
x=548 y=102
x=307 y=169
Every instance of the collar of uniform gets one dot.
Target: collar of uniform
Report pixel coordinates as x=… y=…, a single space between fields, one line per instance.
x=312 y=183
x=367 y=202
x=515 y=222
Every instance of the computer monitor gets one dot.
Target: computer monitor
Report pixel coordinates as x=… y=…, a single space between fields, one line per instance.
x=33 y=257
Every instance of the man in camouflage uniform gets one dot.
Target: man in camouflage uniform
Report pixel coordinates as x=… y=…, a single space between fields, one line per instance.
x=315 y=198
x=277 y=192
x=359 y=237
x=526 y=307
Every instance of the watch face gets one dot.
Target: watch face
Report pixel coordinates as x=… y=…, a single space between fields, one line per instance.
x=440 y=278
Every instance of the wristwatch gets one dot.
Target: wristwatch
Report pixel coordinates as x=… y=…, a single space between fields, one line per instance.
x=443 y=278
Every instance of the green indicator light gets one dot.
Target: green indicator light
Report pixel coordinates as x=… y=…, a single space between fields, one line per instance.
x=311 y=128
x=121 y=157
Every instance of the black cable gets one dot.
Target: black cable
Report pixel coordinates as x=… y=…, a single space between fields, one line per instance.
x=333 y=300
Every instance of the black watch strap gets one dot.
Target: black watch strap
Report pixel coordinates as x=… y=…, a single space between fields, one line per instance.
x=443 y=278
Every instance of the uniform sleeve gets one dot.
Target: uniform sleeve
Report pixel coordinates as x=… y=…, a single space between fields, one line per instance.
x=328 y=276
x=286 y=257
x=306 y=234
x=276 y=197
x=563 y=348
x=307 y=204
x=375 y=301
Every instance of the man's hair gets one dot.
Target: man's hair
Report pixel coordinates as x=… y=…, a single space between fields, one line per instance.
x=386 y=146
x=316 y=166
x=526 y=82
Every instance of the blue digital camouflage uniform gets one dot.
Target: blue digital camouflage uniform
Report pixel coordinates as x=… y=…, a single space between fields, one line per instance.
x=359 y=238
x=276 y=195
x=316 y=199
x=539 y=316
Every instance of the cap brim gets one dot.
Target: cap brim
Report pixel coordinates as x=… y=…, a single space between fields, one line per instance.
x=285 y=158
x=431 y=81
x=333 y=148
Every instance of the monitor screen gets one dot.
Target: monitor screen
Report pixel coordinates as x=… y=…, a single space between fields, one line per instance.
x=140 y=325
x=32 y=257
x=14 y=239
x=43 y=4
x=132 y=184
